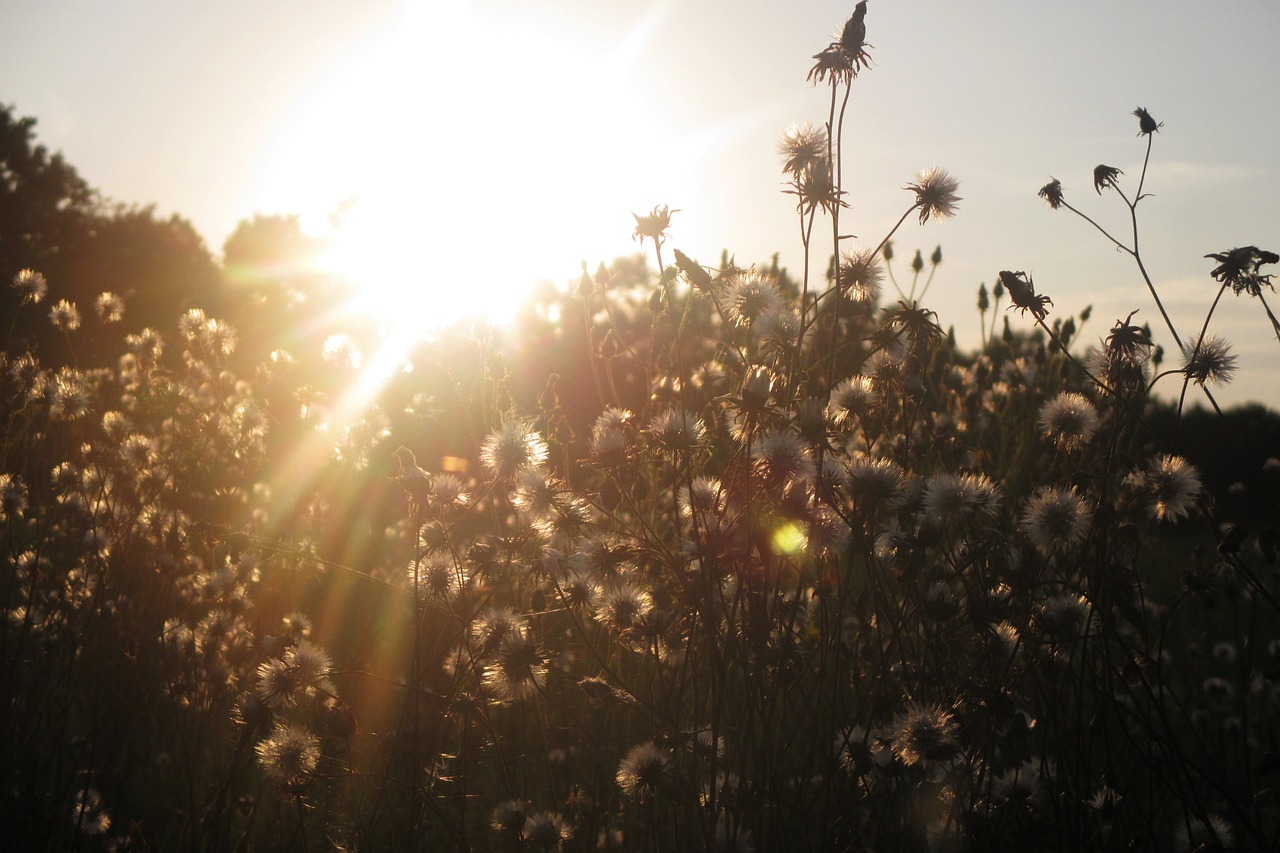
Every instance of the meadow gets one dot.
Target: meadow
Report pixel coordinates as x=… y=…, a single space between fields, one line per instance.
x=693 y=556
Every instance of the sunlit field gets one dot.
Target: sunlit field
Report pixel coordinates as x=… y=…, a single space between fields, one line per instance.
x=364 y=539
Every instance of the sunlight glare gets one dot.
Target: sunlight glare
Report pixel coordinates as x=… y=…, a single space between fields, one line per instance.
x=457 y=158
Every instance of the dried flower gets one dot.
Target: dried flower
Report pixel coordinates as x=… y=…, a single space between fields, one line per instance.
x=546 y=830
x=1146 y=124
x=1105 y=176
x=1052 y=193
x=654 y=225
x=935 y=191
x=1238 y=268
x=519 y=668
x=1023 y=296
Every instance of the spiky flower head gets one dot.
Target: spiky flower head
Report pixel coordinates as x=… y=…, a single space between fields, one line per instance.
x=1170 y=484
x=508 y=817
x=1194 y=835
x=519 y=668
x=855 y=396
x=924 y=733
x=803 y=146
x=512 y=448
x=546 y=830
x=31 y=285
x=1209 y=361
x=751 y=296
x=861 y=273
x=289 y=754
x=653 y=226
x=64 y=316
x=1052 y=193
x=1069 y=420
x=951 y=499
x=1023 y=296
x=936 y=195
x=1056 y=518
x=645 y=771
x=109 y=306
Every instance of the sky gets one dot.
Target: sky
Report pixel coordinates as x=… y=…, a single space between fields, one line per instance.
x=495 y=142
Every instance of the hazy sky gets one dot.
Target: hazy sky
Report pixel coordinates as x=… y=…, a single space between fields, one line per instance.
x=518 y=137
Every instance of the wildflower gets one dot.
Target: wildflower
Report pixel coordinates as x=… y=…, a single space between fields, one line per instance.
x=13 y=496
x=1056 y=517
x=856 y=395
x=435 y=575
x=924 y=733
x=580 y=589
x=535 y=493
x=109 y=306
x=546 y=830
x=782 y=458
x=492 y=625
x=1239 y=269
x=511 y=449
x=448 y=492
x=1171 y=484
x=415 y=481
x=609 y=435
x=623 y=604
x=1065 y=617
x=1146 y=124
x=88 y=813
x=677 y=430
x=1023 y=783
x=509 y=817
x=841 y=59
x=861 y=274
x=750 y=297
x=951 y=499
x=1105 y=176
x=31 y=285
x=653 y=226
x=645 y=771
x=519 y=669
x=64 y=316
x=1194 y=835
x=1052 y=193
x=1209 y=361
x=1023 y=296
x=290 y=754
x=876 y=483
x=1069 y=420
x=815 y=188
x=803 y=146
x=935 y=193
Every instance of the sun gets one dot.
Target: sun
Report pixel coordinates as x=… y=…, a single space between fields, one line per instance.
x=457 y=157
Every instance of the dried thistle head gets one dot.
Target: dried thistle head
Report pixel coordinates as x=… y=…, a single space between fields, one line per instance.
x=654 y=225
x=1052 y=193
